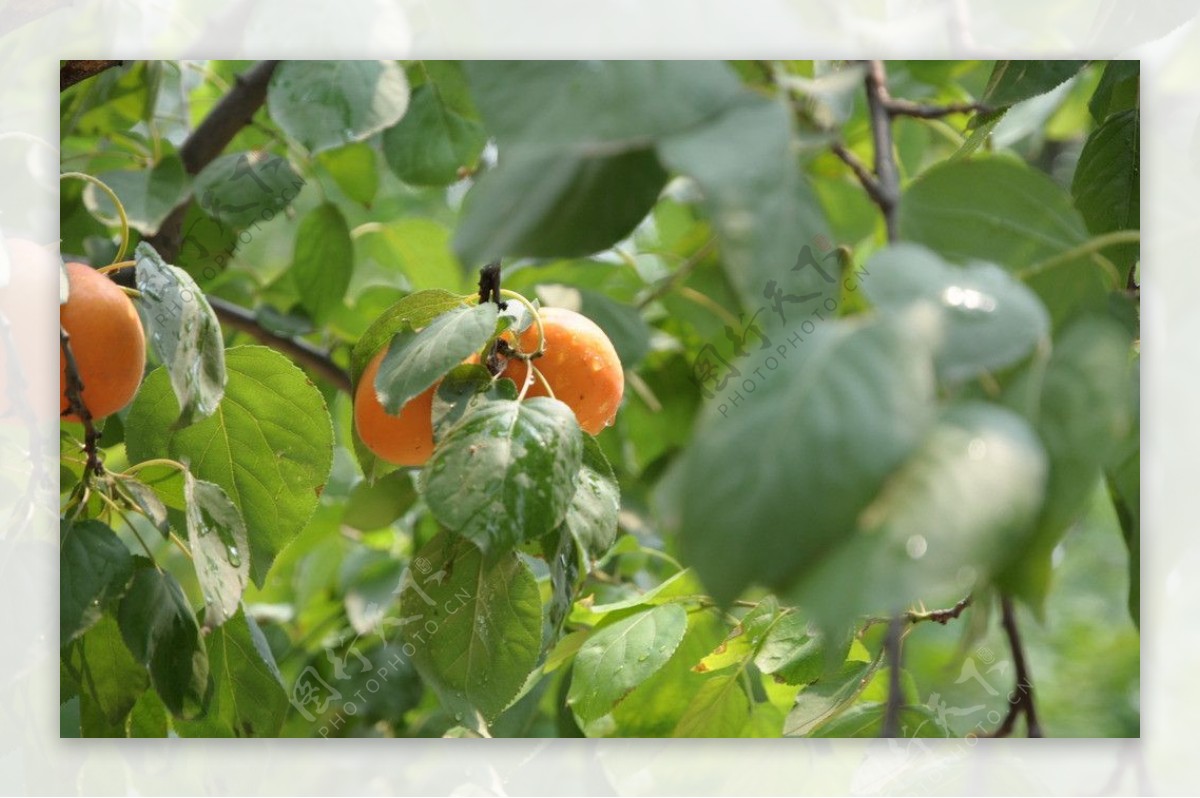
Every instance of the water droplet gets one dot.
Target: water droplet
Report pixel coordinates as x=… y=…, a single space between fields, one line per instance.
x=235 y=558
x=968 y=299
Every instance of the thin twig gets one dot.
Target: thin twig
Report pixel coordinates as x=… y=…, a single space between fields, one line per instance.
x=893 y=648
x=72 y=72
x=668 y=283
x=234 y=111
x=862 y=172
x=75 y=403
x=297 y=349
x=1020 y=701
x=913 y=617
x=886 y=173
x=896 y=107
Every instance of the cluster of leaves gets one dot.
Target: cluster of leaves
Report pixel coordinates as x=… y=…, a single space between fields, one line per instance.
x=817 y=442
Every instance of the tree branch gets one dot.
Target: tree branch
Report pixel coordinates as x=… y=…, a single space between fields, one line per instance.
x=886 y=175
x=72 y=72
x=74 y=389
x=209 y=139
x=896 y=107
x=892 y=646
x=1020 y=700
x=298 y=350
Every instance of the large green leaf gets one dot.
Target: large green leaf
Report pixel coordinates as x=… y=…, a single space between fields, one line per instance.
x=112 y=681
x=1117 y=90
x=413 y=312
x=433 y=140
x=1107 y=183
x=988 y=318
x=766 y=217
x=1083 y=409
x=218 y=542
x=506 y=472
x=417 y=359
x=592 y=514
x=183 y=332
x=417 y=248
x=148 y=195
x=957 y=511
x=325 y=104
x=94 y=567
x=323 y=261
x=823 y=700
x=241 y=188
x=776 y=478
x=249 y=698
x=622 y=655
x=720 y=709
x=160 y=629
x=1013 y=81
x=354 y=169
x=473 y=625
x=576 y=145
x=997 y=209
x=269 y=445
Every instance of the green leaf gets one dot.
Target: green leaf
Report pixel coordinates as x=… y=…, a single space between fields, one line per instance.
x=1117 y=90
x=354 y=170
x=764 y=213
x=184 y=334
x=218 y=542
x=461 y=390
x=241 y=188
x=148 y=195
x=148 y=718
x=1107 y=183
x=1082 y=407
x=622 y=323
x=475 y=623
x=1013 y=81
x=571 y=204
x=592 y=514
x=823 y=700
x=148 y=503
x=374 y=506
x=865 y=720
x=417 y=359
x=250 y=699
x=323 y=261
x=417 y=248
x=94 y=567
x=743 y=641
x=988 y=319
x=506 y=472
x=999 y=210
x=812 y=446
x=413 y=311
x=325 y=104
x=269 y=445
x=720 y=709
x=1124 y=485
x=112 y=681
x=161 y=632
x=433 y=141
x=576 y=146
x=622 y=655
x=955 y=513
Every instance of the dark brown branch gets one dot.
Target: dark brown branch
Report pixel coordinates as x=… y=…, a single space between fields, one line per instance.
x=892 y=646
x=868 y=181
x=72 y=72
x=914 y=617
x=896 y=107
x=209 y=139
x=304 y=353
x=1020 y=701
x=886 y=174
x=75 y=404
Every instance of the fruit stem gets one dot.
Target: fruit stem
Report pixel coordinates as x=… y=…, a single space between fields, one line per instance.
x=112 y=195
x=113 y=267
x=537 y=320
x=542 y=379
x=157 y=461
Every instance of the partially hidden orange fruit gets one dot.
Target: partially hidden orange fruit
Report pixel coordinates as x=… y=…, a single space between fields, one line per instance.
x=405 y=439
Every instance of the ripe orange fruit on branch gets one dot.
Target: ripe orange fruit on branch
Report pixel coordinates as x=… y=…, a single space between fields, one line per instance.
x=405 y=439
x=580 y=364
x=107 y=341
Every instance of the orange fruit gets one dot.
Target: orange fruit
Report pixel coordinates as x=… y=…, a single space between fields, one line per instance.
x=405 y=439
x=580 y=364
x=107 y=341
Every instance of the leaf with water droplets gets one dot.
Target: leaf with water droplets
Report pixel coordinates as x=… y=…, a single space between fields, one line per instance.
x=506 y=472
x=988 y=319
x=592 y=514
x=473 y=622
x=217 y=538
x=94 y=567
x=183 y=334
